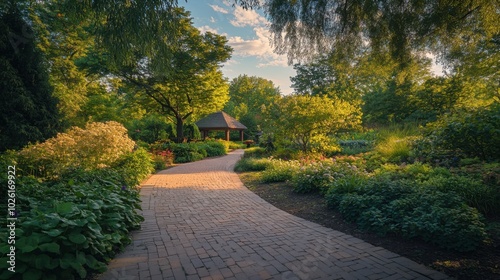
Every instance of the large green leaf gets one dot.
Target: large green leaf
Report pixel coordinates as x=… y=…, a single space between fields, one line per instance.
x=32 y=274
x=50 y=247
x=77 y=238
x=67 y=260
x=65 y=208
x=27 y=244
x=42 y=261
x=54 y=232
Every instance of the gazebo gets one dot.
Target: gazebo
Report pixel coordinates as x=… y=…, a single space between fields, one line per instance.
x=220 y=121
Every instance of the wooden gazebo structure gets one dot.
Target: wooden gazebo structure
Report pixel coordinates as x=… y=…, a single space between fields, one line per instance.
x=220 y=121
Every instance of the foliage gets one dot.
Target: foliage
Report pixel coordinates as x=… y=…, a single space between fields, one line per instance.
x=304 y=28
x=191 y=131
x=299 y=119
x=256 y=152
x=252 y=164
x=387 y=206
x=485 y=198
x=163 y=159
x=187 y=152
x=475 y=133
x=353 y=147
x=78 y=230
x=28 y=108
x=214 y=148
x=193 y=151
x=151 y=128
x=86 y=220
x=193 y=86
x=395 y=149
x=280 y=171
x=98 y=145
x=248 y=95
x=134 y=166
x=317 y=176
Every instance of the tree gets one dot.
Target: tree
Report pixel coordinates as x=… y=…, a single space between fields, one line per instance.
x=194 y=86
x=248 y=95
x=301 y=119
x=304 y=28
x=29 y=111
x=394 y=100
x=340 y=77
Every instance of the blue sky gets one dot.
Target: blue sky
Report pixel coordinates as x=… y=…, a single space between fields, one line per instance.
x=248 y=34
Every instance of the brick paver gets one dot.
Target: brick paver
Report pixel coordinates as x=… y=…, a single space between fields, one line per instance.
x=201 y=222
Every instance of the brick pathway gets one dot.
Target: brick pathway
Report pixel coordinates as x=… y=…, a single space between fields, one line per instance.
x=202 y=223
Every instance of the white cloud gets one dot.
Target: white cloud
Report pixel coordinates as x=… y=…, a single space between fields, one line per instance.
x=244 y=17
x=259 y=47
x=212 y=20
x=204 y=29
x=219 y=9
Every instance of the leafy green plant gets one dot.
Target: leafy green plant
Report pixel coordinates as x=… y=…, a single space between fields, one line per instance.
x=484 y=198
x=134 y=167
x=86 y=221
x=353 y=147
x=98 y=145
x=395 y=149
x=257 y=152
x=383 y=205
x=151 y=128
x=280 y=171
x=475 y=133
x=191 y=131
x=252 y=164
x=213 y=148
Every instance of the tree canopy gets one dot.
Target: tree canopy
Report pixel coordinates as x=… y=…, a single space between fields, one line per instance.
x=302 y=29
x=194 y=85
x=304 y=119
x=28 y=109
x=248 y=97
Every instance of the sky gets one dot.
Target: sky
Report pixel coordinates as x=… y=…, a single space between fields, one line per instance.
x=248 y=34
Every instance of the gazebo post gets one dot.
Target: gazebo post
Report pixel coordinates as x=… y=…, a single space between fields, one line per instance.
x=227 y=134
x=241 y=135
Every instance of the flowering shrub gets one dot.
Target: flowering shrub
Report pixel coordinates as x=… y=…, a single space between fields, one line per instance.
x=98 y=145
x=280 y=170
x=163 y=159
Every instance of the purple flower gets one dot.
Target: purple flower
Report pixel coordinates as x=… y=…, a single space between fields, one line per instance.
x=124 y=188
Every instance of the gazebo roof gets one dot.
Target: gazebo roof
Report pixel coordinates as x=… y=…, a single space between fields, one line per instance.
x=219 y=120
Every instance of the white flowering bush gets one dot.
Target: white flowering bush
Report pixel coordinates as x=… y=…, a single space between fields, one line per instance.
x=98 y=145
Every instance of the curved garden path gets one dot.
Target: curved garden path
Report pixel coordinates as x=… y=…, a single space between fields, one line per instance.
x=202 y=223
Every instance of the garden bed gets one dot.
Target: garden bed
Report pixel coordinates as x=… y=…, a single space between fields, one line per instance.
x=482 y=263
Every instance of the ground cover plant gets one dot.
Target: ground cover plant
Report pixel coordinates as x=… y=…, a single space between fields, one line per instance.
x=92 y=206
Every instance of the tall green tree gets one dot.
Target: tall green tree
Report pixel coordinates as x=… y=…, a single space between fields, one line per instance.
x=340 y=77
x=194 y=85
x=248 y=97
x=28 y=110
x=303 y=119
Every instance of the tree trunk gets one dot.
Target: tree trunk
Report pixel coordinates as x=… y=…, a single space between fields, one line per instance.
x=180 y=129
